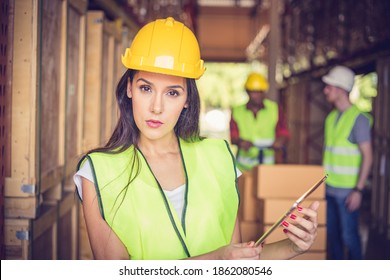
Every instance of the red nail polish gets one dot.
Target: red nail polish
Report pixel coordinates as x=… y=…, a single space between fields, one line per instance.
x=285 y=230
x=285 y=224
x=292 y=216
x=299 y=208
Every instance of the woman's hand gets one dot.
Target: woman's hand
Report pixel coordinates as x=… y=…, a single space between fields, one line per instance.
x=302 y=229
x=240 y=251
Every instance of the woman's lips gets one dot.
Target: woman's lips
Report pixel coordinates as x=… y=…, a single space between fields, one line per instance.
x=153 y=123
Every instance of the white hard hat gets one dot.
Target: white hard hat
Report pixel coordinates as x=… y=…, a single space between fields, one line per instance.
x=340 y=76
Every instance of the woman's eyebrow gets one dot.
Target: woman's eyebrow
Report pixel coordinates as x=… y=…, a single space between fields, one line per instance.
x=150 y=83
x=176 y=86
x=146 y=81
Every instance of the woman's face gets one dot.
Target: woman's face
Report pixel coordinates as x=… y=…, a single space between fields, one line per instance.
x=158 y=100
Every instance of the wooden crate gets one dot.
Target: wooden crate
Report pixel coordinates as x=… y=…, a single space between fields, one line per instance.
x=32 y=239
x=76 y=29
x=102 y=41
x=67 y=234
x=37 y=121
x=46 y=127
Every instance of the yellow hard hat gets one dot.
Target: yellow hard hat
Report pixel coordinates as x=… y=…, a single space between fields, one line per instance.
x=256 y=82
x=165 y=46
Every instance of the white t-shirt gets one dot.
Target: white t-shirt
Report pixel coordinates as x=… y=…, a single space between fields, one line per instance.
x=176 y=196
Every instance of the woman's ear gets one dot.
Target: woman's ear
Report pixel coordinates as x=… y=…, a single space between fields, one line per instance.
x=129 y=95
x=186 y=105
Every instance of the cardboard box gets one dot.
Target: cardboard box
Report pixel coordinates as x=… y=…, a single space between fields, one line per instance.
x=288 y=180
x=274 y=208
x=318 y=245
x=250 y=206
x=250 y=231
x=312 y=255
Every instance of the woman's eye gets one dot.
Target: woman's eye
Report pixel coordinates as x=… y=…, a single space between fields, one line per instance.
x=145 y=88
x=173 y=93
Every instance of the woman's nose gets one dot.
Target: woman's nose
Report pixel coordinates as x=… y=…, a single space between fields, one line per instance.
x=157 y=104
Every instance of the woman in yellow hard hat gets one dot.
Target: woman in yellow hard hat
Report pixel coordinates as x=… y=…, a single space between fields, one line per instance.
x=157 y=190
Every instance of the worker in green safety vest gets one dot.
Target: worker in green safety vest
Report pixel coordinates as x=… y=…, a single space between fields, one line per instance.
x=347 y=160
x=257 y=128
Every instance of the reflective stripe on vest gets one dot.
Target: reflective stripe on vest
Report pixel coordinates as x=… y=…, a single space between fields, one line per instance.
x=144 y=219
x=260 y=130
x=342 y=158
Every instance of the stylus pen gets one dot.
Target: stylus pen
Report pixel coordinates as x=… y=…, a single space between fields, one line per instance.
x=288 y=212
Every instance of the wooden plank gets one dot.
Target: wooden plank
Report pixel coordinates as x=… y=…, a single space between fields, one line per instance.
x=81 y=84
x=44 y=234
x=51 y=179
x=16 y=239
x=50 y=85
x=73 y=58
x=62 y=83
x=22 y=207
x=32 y=239
x=67 y=203
x=79 y=5
x=15 y=187
x=71 y=166
x=110 y=87
x=75 y=89
x=104 y=93
x=24 y=97
x=67 y=228
x=93 y=86
x=118 y=12
x=46 y=220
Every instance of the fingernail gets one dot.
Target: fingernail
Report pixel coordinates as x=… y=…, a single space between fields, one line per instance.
x=292 y=216
x=285 y=230
x=299 y=208
x=285 y=223
x=249 y=243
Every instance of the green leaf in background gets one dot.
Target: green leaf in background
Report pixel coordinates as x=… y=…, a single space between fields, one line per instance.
x=222 y=85
x=364 y=91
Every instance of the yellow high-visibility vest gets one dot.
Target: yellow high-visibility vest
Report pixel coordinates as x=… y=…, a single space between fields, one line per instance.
x=260 y=130
x=144 y=219
x=342 y=158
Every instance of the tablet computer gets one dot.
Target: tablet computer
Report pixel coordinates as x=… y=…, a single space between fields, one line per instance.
x=289 y=211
